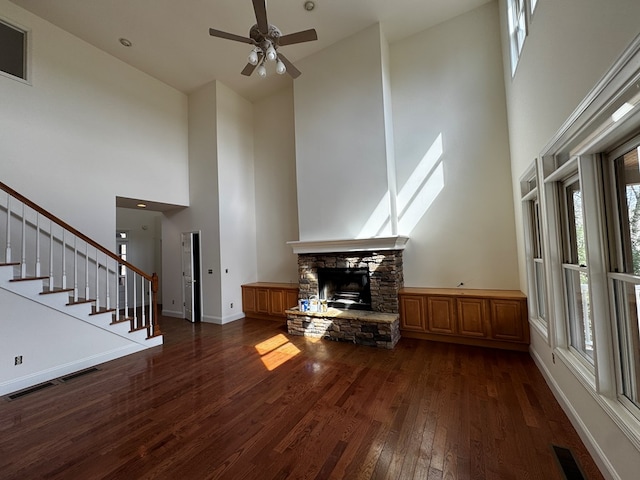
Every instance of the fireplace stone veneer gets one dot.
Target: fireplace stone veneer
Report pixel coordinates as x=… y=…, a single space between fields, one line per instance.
x=385 y=274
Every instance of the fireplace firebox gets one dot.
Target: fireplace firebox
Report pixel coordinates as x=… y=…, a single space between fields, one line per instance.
x=345 y=288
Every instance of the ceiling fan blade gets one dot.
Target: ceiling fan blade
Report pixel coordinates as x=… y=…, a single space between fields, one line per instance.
x=291 y=69
x=229 y=36
x=260 y=7
x=248 y=68
x=298 y=37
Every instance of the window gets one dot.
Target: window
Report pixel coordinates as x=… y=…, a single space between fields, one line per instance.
x=574 y=266
x=13 y=50
x=532 y=216
x=122 y=241
x=516 y=13
x=625 y=271
x=538 y=263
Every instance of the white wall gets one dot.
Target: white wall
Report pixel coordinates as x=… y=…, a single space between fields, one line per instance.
x=28 y=329
x=203 y=214
x=341 y=163
x=236 y=187
x=144 y=240
x=570 y=46
x=88 y=128
x=275 y=187
x=222 y=208
x=447 y=83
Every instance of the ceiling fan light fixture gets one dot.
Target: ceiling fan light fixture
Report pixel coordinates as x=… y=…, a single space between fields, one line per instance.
x=262 y=70
x=271 y=53
x=253 y=57
x=281 y=69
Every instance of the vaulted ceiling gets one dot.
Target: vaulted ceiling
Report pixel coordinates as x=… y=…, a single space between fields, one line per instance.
x=170 y=39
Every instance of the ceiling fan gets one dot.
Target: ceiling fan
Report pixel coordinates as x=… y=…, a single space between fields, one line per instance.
x=266 y=39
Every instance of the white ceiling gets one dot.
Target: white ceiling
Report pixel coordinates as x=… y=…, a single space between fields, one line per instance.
x=171 y=40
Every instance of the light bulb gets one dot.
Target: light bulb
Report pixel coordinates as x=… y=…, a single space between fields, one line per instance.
x=271 y=53
x=253 y=57
x=280 y=67
x=262 y=70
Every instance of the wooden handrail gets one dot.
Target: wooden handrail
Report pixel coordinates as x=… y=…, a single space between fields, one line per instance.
x=69 y=228
x=153 y=278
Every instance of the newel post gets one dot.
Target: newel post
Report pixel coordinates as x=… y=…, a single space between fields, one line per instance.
x=154 y=304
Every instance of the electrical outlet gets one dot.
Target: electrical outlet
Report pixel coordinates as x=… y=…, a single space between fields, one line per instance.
x=231 y=304
x=18 y=360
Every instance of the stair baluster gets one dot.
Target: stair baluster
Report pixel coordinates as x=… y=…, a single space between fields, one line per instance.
x=141 y=316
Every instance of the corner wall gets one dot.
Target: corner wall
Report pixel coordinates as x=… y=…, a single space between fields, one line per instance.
x=222 y=207
x=275 y=187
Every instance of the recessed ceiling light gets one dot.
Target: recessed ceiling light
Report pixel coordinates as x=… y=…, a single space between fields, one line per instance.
x=141 y=205
x=125 y=42
x=309 y=5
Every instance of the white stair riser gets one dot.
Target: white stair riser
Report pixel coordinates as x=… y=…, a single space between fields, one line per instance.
x=32 y=290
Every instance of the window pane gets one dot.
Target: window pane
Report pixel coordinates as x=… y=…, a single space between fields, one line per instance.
x=13 y=51
x=577 y=252
x=627 y=172
x=627 y=296
x=540 y=289
x=579 y=306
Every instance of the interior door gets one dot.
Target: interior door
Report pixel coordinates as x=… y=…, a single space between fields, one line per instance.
x=187 y=275
x=191 y=275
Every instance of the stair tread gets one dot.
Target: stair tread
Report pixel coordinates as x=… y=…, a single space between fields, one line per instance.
x=47 y=290
x=26 y=279
x=80 y=301
x=102 y=310
x=11 y=264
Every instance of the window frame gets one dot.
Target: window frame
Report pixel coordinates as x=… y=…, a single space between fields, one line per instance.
x=26 y=51
x=626 y=337
x=572 y=264
x=532 y=207
x=518 y=30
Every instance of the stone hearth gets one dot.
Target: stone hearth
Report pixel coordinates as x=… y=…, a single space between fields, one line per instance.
x=369 y=328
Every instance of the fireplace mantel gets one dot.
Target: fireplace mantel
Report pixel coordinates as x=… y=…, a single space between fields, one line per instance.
x=396 y=242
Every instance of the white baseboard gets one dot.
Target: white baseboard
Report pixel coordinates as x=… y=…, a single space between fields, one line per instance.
x=173 y=314
x=599 y=457
x=17 y=384
x=222 y=320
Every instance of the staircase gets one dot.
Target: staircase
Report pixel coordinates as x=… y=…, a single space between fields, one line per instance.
x=60 y=271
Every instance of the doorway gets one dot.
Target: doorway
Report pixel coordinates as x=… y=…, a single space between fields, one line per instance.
x=191 y=290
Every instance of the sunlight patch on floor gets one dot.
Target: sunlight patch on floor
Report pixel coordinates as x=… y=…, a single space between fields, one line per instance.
x=275 y=351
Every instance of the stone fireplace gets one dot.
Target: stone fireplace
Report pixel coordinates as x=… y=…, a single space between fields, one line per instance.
x=384 y=267
x=367 y=275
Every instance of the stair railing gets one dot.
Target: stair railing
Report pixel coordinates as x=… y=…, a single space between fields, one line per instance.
x=68 y=260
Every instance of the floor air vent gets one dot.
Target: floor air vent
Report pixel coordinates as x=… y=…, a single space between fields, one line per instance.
x=72 y=376
x=567 y=463
x=29 y=390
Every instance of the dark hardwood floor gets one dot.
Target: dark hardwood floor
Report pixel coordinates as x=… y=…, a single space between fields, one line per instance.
x=246 y=401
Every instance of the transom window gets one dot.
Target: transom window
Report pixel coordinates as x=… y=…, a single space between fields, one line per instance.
x=517 y=18
x=13 y=50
